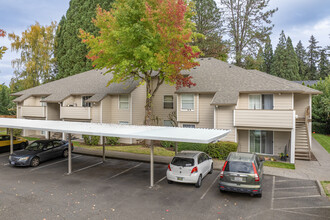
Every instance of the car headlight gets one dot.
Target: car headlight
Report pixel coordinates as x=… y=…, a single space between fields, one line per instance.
x=23 y=158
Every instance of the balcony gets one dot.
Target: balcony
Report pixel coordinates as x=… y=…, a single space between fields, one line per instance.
x=264 y=118
x=33 y=111
x=75 y=113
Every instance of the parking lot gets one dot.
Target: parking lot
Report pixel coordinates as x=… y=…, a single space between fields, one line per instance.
x=119 y=189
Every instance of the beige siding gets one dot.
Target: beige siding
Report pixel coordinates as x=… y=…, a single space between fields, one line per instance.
x=281 y=139
x=138 y=104
x=301 y=101
x=117 y=114
x=206 y=111
x=80 y=113
x=53 y=111
x=32 y=101
x=243 y=140
x=283 y=101
x=264 y=118
x=188 y=116
x=33 y=111
x=75 y=100
x=243 y=101
x=96 y=113
x=106 y=109
x=158 y=103
x=19 y=110
x=224 y=120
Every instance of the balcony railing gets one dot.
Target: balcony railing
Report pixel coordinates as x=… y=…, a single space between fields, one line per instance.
x=75 y=113
x=264 y=118
x=33 y=111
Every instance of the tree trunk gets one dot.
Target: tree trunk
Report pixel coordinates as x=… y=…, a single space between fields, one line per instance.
x=148 y=110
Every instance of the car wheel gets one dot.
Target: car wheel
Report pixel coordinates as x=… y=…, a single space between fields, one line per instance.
x=199 y=182
x=259 y=195
x=22 y=145
x=35 y=162
x=211 y=170
x=222 y=191
x=65 y=153
x=169 y=181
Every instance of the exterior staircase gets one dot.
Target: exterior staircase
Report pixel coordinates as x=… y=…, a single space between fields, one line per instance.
x=303 y=149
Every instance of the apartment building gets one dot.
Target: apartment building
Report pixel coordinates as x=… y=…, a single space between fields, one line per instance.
x=265 y=114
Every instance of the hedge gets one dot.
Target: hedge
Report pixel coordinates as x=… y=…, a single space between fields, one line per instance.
x=111 y=140
x=221 y=149
x=91 y=140
x=184 y=146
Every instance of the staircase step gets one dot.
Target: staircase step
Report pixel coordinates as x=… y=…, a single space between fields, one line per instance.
x=302 y=158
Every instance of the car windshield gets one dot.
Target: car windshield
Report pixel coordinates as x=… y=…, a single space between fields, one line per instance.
x=239 y=167
x=182 y=161
x=35 y=146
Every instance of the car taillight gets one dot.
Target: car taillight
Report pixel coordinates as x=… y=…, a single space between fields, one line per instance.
x=169 y=167
x=256 y=176
x=194 y=170
x=223 y=169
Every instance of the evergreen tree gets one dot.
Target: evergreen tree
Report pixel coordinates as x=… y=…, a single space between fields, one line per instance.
x=302 y=65
x=268 y=56
x=278 y=66
x=209 y=22
x=324 y=64
x=292 y=70
x=313 y=55
x=255 y=63
x=70 y=52
x=6 y=104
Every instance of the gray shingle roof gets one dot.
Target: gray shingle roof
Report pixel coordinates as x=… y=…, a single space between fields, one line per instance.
x=227 y=81
x=92 y=82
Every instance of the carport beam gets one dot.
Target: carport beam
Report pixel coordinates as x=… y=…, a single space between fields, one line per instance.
x=103 y=143
x=11 y=142
x=151 y=164
x=69 y=155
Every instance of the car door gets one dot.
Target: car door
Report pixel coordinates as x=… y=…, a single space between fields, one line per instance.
x=47 y=152
x=203 y=164
x=58 y=148
x=4 y=143
x=208 y=162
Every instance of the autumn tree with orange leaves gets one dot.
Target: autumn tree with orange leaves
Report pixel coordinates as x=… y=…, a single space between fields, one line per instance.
x=145 y=40
x=2 y=48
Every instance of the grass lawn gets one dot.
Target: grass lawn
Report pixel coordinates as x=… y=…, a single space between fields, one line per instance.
x=324 y=140
x=31 y=138
x=326 y=187
x=136 y=149
x=3 y=131
x=279 y=165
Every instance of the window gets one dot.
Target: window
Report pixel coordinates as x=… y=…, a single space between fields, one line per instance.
x=261 y=141
x=84 y=103
x=168 y=102
x=42 y=132
x=187 y=102
x=123 y=102
x=123 y=122
x=43 y=103
x=261 y=101
x=168 y=123
x=188 y=126
x=57 y=143
x=183 y=162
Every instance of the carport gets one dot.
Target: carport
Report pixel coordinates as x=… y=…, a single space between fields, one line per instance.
x=151 y=133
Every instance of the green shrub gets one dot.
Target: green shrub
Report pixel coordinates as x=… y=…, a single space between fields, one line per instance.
x=221 y=149
x=17 y=132
x=91 y=140
x=167 y=144
x=320 y=128
x=191 y=146
x=111 y=140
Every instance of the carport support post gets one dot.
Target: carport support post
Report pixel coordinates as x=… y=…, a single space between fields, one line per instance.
x=176 y=148
x=11 y=142
x=69 y=155
x=103 y=142
x=151 y=164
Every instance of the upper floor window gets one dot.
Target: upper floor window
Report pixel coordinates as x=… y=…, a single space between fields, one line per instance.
x=187 y=102
x=84 y=103
x=168 y=102
x=168 y=123
x=264 y=101
x=43 y=103
x=123 y=102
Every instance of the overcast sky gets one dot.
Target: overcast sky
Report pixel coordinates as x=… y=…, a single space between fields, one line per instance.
x=298 y=18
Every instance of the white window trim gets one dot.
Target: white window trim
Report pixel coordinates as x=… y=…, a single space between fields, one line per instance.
x=164 y=101
x=256 y=152
x=127 y=103
x=187 y=110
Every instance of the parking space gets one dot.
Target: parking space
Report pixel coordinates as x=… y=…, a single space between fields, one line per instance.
x=119 y=189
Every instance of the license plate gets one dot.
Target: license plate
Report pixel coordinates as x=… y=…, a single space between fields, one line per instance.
x=180 y=178
x=238 y=179
x=12 y=163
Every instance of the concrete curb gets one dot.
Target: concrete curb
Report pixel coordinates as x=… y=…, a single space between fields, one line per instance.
x=321 y=190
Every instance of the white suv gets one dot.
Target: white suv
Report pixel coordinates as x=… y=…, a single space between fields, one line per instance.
x=189 y=167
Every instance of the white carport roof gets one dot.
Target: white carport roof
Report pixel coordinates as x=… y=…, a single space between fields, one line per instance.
x=193 y=135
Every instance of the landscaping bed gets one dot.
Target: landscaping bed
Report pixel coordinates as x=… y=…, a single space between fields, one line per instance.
x=326 y=187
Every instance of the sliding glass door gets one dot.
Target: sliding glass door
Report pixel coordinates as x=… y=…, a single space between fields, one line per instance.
x=261 y=141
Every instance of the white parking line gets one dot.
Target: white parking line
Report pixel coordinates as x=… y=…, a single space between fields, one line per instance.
x=160 y=180
x=202 y=197
x=297 y=187
x=308 y=207
x=5 y=155
x=273 y=189
x=85 y=168
x=296 y=197
x=124 y=171
x=37 y=168
x=301 y=213
x=6 y=164
x=280 y=181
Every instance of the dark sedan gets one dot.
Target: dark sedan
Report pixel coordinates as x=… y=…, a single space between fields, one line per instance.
x=39 y=151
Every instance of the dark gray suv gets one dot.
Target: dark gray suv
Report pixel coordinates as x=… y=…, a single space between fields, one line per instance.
x=242 y=172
